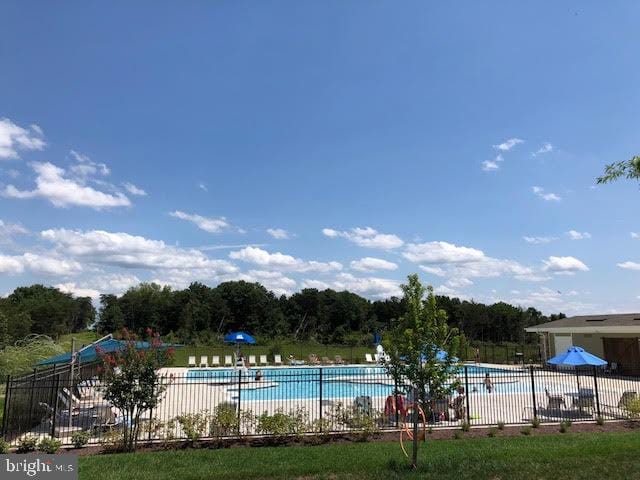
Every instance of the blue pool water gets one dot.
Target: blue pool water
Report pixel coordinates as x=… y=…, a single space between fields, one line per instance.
x=337 y=382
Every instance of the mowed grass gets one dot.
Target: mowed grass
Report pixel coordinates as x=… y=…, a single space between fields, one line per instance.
x=568 y=456
x=82 y=339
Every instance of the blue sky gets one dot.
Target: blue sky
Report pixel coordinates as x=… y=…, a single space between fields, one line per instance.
x=162 y=141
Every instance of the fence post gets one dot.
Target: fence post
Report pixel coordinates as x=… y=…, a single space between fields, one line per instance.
x=7 y=393
x=239 y=398
x=395 y=393
x=533 y=393
x=33 y=386
x=466 y=388
x=595 y=383
x=320 y=399
x=55 y=407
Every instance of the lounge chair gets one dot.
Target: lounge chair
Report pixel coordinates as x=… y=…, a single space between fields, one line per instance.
x=263 y=360
x=363 y=404
x=277 y=359
x=252 y=360
x=313 y=359
x=554 y=401
x=215 y=361
x=228 y=361
x=584 y=400
x=339 y=360
x=621 y=409
x=326 y=361
x=192 y=361
x=204 y=361
x=369 y=358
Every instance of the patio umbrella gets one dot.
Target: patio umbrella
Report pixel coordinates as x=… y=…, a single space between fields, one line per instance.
x=239 y=338
x=576 y=357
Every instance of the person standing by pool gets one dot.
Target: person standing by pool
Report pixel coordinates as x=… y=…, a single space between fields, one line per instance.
x=488 y=384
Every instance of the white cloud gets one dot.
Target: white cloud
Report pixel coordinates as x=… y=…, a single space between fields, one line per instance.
x=446 y=291
x=635 y=235
x=50 y=265
x=437 y=271
x=508 y=144
x=575 y=235
x=440 y=252
x=208 y=224
x=492 y=165
x=367 y=237
x=133 y=190
x=549 y=197
x=62 y=192
x=274 y=281
x=564 y=265
x=372 y=287
x=8 y=230
x=78 y=291
x=549 y=300
x=459 y=282
x=629 y=265
x=11 y=264
x=131 y=251
x=86 y=167
x=369 y=264
x=14 y=138
x=278 y=260
x=278 y=233
x=203 y=187
x=538 y=240
x=545 y=148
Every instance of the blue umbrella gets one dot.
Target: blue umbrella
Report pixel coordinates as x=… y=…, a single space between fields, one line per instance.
x=239 y=337
x=576 y=356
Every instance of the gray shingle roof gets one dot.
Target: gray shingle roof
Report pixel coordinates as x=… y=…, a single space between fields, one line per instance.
x=605 y=320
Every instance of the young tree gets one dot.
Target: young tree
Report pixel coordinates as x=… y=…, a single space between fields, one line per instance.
x=132 y=381
x=627 y=169
x=415 y=346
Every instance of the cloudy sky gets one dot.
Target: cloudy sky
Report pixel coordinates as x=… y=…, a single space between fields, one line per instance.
x=323 y=144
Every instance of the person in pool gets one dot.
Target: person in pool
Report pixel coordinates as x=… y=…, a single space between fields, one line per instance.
x=488 y=384
x=258 y=377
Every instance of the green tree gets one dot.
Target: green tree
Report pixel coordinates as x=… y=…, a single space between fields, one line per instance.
x=414 y=345
x=111 y=318
x=4 y=331
x=627 y=169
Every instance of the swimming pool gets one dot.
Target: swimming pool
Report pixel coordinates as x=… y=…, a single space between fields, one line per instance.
x=328 y=382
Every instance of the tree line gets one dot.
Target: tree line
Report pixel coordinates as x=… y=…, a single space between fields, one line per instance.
x=202 y=314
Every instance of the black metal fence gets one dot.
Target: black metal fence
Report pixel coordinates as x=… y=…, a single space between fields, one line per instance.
x=219 y=403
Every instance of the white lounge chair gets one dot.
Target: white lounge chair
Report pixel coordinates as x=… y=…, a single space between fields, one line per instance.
x=215 y=361
x=277 y=359
x=369 y=358
x=263 y=360
x=204 y=361
x=228 y=361
x=192 y=361
x=252 y=360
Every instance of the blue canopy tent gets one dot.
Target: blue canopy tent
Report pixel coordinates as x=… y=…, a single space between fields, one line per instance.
x=89 y=353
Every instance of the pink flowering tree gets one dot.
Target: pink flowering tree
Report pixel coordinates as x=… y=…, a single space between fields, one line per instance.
x=132 y=381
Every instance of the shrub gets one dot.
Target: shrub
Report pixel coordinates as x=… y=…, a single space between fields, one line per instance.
x=564 y=426
x=282 y=424
x=224 y=421
x=111 y=440
x=526 y=430
x=633 y=409
x=465 y=426
x=27 y=445
x=430 y=430
x=4 y=446
x=79 y=439
x=457 y=435
x=49 y=445
x=500 y=425
x=535 y=423
x=600 y=420
x=492 y=432
x=194 y=425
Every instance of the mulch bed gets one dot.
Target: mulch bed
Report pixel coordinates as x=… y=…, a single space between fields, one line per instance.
x=440 y=434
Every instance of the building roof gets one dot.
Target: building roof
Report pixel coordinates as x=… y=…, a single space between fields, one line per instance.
x=605 y=323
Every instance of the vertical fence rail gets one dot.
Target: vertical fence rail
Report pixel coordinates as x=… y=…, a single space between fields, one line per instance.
x=533 y=393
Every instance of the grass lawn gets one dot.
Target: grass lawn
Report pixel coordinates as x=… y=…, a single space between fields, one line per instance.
x=82 y=338
x=571 y=456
